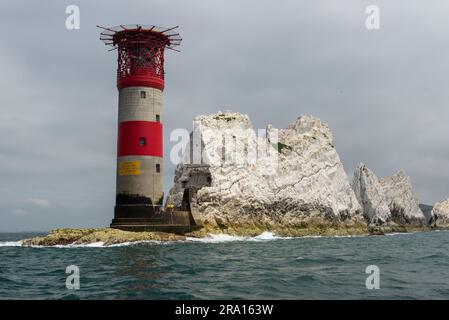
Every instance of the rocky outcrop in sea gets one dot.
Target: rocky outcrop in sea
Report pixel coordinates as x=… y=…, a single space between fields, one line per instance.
x=106 y=236
x=371 y=196
x=440 y=214
x=291 y=178
x=289 y=181
x=389 y=202
x=402 y=201
x=232 y=178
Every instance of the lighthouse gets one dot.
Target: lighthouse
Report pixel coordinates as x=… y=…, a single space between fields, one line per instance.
x=140 y=84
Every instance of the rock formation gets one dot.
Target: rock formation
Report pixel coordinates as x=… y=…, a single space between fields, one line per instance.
x=388 y=202
x=371 y=196
x=403 y=203
x=106 y=236
x=427 y=211
x=293 y=177
x=440 y=214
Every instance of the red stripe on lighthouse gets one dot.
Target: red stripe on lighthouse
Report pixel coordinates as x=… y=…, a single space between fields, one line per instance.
x=132 y=134
x=140 y=81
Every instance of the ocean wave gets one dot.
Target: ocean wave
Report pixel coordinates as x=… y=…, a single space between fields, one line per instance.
x=219 y=238
x=102 y=244
x=398 y=233
x=10 y=244
x=332 y=236
x=82 y=245
x=212 y=238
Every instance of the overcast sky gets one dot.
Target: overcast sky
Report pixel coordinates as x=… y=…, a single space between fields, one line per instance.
x=384 y=93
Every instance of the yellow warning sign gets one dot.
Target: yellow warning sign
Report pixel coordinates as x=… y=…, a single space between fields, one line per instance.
x=129 y=168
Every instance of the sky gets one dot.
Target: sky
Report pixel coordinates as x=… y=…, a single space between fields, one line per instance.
x=383 y=92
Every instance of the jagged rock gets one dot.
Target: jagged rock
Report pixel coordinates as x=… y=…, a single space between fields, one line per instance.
x=371 y=196
x=427 y=211
x=292 y=177
x=440 y=214
x=403 y=203
x=107 y=236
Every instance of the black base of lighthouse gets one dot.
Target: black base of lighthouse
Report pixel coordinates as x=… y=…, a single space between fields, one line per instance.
x=152 y=218
x=137 y=211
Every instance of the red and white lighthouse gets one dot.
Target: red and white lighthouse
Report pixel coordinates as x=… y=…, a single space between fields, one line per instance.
x=140 y=82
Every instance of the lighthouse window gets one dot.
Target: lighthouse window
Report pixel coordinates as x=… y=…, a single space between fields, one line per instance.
x=143 y=94
x=158 y=118
x=158 y=167
x=142 y=141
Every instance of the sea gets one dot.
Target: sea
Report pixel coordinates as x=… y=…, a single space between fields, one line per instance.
x=394 y=266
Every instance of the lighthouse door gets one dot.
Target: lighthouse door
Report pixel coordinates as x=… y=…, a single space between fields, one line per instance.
x=185 y=206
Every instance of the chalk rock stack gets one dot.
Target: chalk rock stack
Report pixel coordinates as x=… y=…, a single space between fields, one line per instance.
x=387 y=201
x=290 y=177
x=440 y=214
x=371 y=196
x=402 y=201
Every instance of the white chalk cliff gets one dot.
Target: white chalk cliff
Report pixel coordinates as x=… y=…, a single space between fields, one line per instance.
x=389 y=201
x=440 y=213
x=371 y=196
x=402 y=201
x=291 y=177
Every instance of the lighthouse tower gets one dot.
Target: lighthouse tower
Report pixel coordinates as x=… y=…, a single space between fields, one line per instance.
x=140 y=83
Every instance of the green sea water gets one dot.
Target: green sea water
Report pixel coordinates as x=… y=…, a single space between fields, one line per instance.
x=412 y=266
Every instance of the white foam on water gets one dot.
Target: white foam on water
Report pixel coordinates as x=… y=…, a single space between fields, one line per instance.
x=84 y=245
x=337 y=236
x=398 y=233
x=269 y=236
x=100 y=244
x=104 y=245
x=311 y=237
x=127 y=244
x=220 y=238
x=10 y=243
x=351 y=236
x=217 y=238
x=211 y=238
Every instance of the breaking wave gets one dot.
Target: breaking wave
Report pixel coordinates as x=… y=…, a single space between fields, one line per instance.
x=103 y=245
x=212 y=238
x=398 y=233
x=219 y=238
x=10 y=244
x=82 y=245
